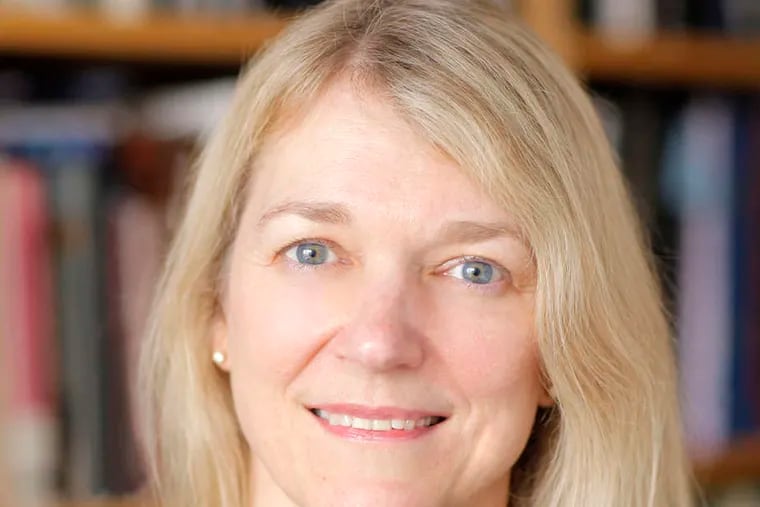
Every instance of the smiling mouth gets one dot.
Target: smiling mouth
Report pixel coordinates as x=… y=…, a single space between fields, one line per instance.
x=360 y=423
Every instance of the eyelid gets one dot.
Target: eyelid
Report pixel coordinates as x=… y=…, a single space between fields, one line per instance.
x=504 y=273
x=326 y=243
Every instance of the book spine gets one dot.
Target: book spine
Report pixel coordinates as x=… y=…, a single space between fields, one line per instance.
x=704 y=272
x=751 y=378
x=74 y=190
x=624 y=19
x=27 y=331
x=740 y=406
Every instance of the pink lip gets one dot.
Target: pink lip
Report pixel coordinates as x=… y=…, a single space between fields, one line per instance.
x=376 y=412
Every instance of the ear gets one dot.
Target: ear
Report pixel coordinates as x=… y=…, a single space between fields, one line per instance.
x=547 y=394
x=545 y=399
x=219 y=341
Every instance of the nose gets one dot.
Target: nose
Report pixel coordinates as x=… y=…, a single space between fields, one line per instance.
x=380 y=334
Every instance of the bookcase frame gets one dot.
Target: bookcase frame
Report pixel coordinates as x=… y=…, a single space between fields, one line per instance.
x=671 y=58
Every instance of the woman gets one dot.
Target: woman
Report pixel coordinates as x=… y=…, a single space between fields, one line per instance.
x=409 y=274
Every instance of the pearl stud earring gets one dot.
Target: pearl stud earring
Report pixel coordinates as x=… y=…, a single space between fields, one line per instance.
x=218 y=357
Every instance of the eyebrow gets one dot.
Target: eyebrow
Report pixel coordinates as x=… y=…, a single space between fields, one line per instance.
x=460 y=231
x=322 y=212
x=465 y=231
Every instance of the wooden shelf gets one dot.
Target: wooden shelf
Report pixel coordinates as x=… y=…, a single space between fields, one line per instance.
x=176 y=38
x=740 y=463
x=671 y=58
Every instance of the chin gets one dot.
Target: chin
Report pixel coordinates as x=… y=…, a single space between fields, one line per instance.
x=374 y=495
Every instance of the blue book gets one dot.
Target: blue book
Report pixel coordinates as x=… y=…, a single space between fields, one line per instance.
x=741 y=418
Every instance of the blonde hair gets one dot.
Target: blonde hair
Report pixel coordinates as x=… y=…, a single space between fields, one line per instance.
x=486 y=92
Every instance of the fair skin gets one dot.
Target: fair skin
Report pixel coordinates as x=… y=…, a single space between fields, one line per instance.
x=378 y=316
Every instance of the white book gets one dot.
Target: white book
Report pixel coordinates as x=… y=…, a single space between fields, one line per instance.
x=623 y=20
x=125 y=10
x=186 y=112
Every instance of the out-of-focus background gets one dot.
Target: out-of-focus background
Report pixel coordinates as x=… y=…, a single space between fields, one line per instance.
x=102 y=104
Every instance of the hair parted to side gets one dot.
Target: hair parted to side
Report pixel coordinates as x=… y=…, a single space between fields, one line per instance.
x=487 y=93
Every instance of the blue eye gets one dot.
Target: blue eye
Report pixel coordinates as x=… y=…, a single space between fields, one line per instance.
x=476 y=272
x=310 y=253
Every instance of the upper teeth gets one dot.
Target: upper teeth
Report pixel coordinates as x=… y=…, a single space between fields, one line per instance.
x=376 y=424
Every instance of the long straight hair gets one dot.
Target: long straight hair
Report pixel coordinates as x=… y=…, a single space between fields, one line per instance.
x=483 y=90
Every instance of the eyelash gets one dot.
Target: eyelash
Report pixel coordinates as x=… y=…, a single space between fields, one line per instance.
x=490 y=288
x=306 y=267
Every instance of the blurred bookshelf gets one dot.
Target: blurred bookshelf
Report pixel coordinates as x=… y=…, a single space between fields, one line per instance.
x=662 y=58
x=680 y=58
x=159 y=37
x=675 y=58
x=741 y=462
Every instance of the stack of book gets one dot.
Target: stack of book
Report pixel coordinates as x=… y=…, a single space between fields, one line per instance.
x=132 y=8
x=693 y=163
x=83 y=226
x=623 y=18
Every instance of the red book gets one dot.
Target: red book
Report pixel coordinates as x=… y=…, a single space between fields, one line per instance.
x=27 y=340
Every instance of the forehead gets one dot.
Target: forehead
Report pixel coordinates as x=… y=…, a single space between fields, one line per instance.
x=354 y=148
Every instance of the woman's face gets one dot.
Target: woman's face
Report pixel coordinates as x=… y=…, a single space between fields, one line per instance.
x=377 y=320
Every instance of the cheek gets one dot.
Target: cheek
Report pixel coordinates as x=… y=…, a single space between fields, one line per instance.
x=487 y=357
x=493 y=362
x=274 y=329
x=492 y=351
x=275 y=326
